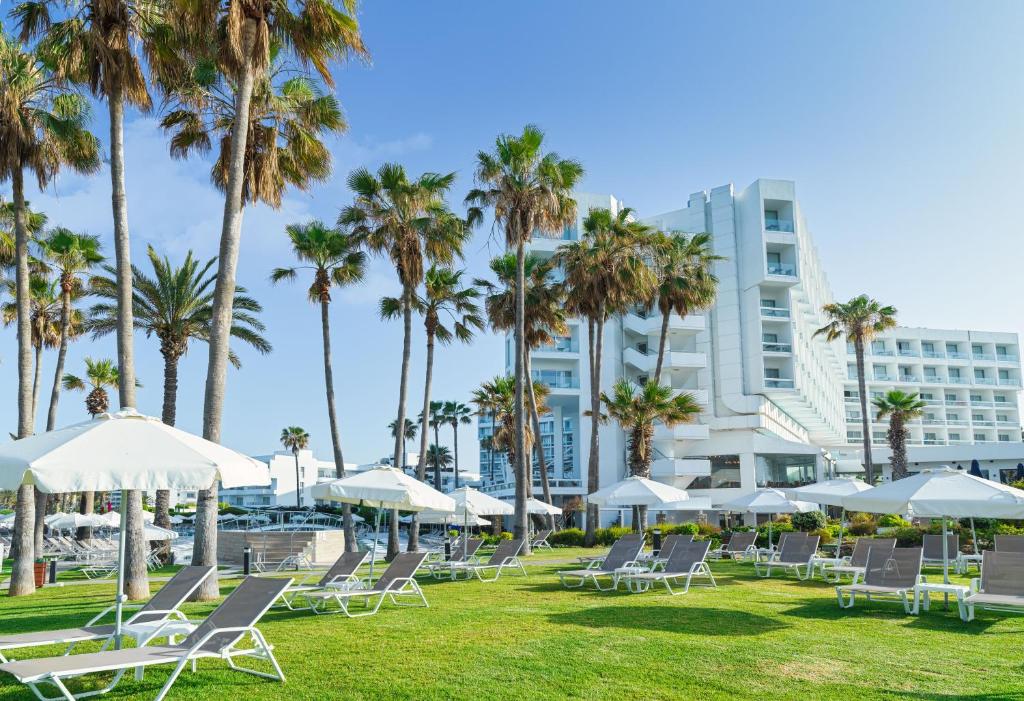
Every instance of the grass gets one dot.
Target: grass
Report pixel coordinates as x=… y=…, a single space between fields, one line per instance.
x=528 y=637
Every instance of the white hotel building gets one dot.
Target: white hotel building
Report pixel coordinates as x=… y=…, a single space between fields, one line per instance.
x=780 y=405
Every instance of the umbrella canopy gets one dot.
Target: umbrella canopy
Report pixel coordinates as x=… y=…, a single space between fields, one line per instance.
x=542 y=508
x=443 y=518
x=942 y=492
x=384 y=488
x=829 y=492
x=767 y=501
x=975 y=468
x=124 y=450
x=69 y=521
x=150 y=532
x=6 y=519
x=637 y=491
x=475 y=502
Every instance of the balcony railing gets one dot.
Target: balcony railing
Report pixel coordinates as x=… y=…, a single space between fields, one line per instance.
x=557 y=381
x=778 y=382
x=984 y=380
x=1007 y=423
x=977 y=422
x=1006 y=358
x=909 y=353
x=955 y=402
x=561 y=345
x=1009 y=381
x=884 y=377
x=779 y=225
x=776 y=312
x=957 y=355
x=933 y=354
x=984 y=356
x=909 y=378
x=934 y=441
x=958 y=381
x=770 y=347
x=782 y=269
x=1003 y=402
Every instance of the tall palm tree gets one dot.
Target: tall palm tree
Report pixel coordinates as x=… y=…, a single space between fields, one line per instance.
x=445 y=302
x=336 y=261
x=435 y=420
x=42 y=128
x=409 y=222
x=636 y=409
x=439 y=455
x=900 y=407
x=295 y=438
x=72 y=256
x=686 y=283
x=545 y=319
x=859 y=320
x=605 y=274
x=174 y=304
x=99 y=376
x=530 y=192
x=498 y=397
x=409 y=434
x=457 y=413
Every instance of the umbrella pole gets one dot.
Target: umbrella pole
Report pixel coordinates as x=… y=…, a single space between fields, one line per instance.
x=839 y=548
x=974 y=539
x=945 y=558
x=376 y=539
x=119 y=602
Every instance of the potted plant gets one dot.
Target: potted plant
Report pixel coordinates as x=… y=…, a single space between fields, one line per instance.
x=40 y=572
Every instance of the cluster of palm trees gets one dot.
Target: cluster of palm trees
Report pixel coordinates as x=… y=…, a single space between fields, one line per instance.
x=251 y=77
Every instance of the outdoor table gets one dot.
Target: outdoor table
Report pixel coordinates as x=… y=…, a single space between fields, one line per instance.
x=923 y=590
x=633 y=585
x=818 y=563
x=964 y=562
x=143 y=634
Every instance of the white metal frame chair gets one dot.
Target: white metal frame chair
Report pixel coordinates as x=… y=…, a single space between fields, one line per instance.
x=506 y=556
x=398 y=580
x=1000 y=586
x=795 y=553
x=887 y=574
x=624 y=554
x=686 y=561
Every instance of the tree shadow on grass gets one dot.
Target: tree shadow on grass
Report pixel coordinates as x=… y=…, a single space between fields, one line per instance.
x=671 y=619
x=936 y=619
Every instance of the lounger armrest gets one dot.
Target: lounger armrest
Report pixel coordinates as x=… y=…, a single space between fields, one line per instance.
x=166 y=613
x=341 y=579
x=595 y=564
x=110 y=609
x=217 y=631
x=975 y=585
x=401 y=581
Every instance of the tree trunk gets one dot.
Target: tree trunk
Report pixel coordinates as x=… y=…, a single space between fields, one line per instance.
x=86 y=507
x=298 y=481
x=537 y=444
x=62 y=352
x=421 y=466
x=662 y=343
x=898 y=445
x=591 y=520
x=332 y=417
x=168 y=416
x=490 y=443
x=437 y=458
x=223 y=301
x=455 y=451
x=36 y=373
x=40 y=523
x=593 y=459
x=23 y=571
x=136 y=576
x=400 y=421
x=520 y=524
x=862 y=389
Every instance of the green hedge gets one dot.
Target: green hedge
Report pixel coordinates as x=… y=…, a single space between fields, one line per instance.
x=490 y=539
x=672 y=529
x=808 y=521
x=569 y=537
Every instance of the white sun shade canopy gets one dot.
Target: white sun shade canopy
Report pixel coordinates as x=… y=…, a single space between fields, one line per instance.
x=767 y=501
x=536 y=506
x=943 y=492
x=124 y=450
x=112 y=519
x=829 y=492
x=477 y=503
x=637 y=491
x=151 y=532
x=69 y=521
x=444 y=518
x=384 y=488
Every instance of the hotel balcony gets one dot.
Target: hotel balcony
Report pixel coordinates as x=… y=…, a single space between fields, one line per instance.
x=680 y=467
x=782 y=269
x=779 y=383
x=646 y=362
x=681 y=432
x=984 y=356
x=547 y=243
x=984 y=380
x=957 y=355
x=774 y=313
x=773 y=347
x=562 y=348
x=650 y=325
x=958 y=381
x=1006 y=358
x=1009 y=382
x=783 y=225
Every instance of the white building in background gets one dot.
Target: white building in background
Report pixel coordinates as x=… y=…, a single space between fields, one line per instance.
x=282 y=488
x=779 y=403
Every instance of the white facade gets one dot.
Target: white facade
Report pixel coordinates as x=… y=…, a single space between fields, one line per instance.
x=282 y=488
x=776 y=398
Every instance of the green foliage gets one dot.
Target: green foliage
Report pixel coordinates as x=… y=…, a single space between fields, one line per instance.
x=809 y=521
x=777 y=528
x=907 y=537
x=825 y=535
x=570 y=537
x=1019 y=484
x=672 y=529
x=862 y=524
x=892 y=521
x=607 y=536
x=708 y=530
x=491 y=539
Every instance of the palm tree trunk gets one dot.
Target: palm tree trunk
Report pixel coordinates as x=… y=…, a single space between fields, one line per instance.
x=205 y=547
x=37 y=372
x=593 y=460
x=490 y=443
x=169 y=415
x=662 y=343
x=538 y=446
x=862 y=389
x=455 y=451
x=898 y=445
x=421 y=466
x=298 y=480
x=437 y=457
x=40 y=523
x=62 y=352
x=591 y=524
x=400 y=421
x=332 y=417
x=136 y=582
x=86 y=505
x=520 y=525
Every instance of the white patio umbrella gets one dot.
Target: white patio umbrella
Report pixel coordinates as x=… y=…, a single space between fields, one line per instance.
x=384 y=488
x=74 y=521
x=767 y=500
x=637 y=491
x=7 y=519
x=829 y=493
x=53 y=517
x=541 y=508
x=941 y=493
x=444 y=518
x=123 y=450
x=151 y=532
x=471 y=502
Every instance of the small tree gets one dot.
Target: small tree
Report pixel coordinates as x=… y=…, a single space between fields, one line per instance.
x=900 y=407
x=295 y=438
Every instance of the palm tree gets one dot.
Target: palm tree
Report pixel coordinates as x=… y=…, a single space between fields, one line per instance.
x=498 y=397
x=439 y=455
x=43 y=129
x=605 y=274
x=544 y=320
x=434 y=419
x=409 y=434
x=175 y=305
x=636 y=411
x=295 y=438
x=859 y=320
x=457 y=413
x=686 y=283
x=409 y=222
x=900 y=407
x=530 y=192
x=99 y=376
x=72 y=255
x=335 y=260
x=444 y=298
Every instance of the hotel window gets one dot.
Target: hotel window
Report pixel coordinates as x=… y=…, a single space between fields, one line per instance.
x=950 y=397
x=725 y=474
x=927 y=396
x=979 y=437
x=976 y=398
x=1002 y=417
x=903 y=346
x=952 y=348
x=772 y=373
x=954 y=373
x=1004 y=438
x=952 y=416
x=979 y=374
x=877 y=346
x=977 y=349
x=927 y=347
x=878 y=435
x=930 y=437
x=1004 y=374
x=769 y=303
x=1001 y=398
x=977 y=417
x=929 y=416
x=770 y=337
x=1002 y=350
x=854 y=394
x=774 y=260
x=954 y=436
x=854 y=435
x=930 y=374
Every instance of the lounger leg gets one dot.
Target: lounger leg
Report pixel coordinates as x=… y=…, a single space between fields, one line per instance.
x=170 y=680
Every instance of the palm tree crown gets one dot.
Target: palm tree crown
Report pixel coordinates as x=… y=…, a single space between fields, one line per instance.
x=900 y=407
x=294 y=438
x=100 y=375
x=545 y=299
x=332 y=255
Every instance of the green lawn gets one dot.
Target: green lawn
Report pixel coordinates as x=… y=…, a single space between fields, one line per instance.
x=520 y=638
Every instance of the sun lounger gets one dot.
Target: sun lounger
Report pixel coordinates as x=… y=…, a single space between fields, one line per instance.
x=398 y=580
x=1009 y=543
x=796 y=553
x=215 y=638
x=463 y=555
x=686 y=562
x=773 y=550
x=142 y=625
x=506 y=556
x=1000 y=587
x=932 y=545
x=623 y=554
x=589 y=560
x=892 y=574
x=438 y=554
x=540 y=539
x=739 y=546
x=854 y=564
x=342 y=574
x=654 y=560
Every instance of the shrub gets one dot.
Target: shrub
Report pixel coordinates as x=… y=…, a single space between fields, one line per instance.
x=825 y=535
x=672 y=529
x=490 y=539
x=570 y=538
x=708 y=530
x=607 y=536
x=907 y=537
x=892 y=521
x=778 y=527
x=862 y=524
x=809 y=521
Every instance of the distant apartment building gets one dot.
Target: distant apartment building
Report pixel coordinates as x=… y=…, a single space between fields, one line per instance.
x=778 y=402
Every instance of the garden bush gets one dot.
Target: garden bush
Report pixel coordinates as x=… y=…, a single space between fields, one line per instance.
x=672 y=529
x=607 y=536
x=862 y=524
x=778 y=527
x=825 y=535
x=892 y=521
x=708 y=530
x=490 y=539
x=569 y=538
x=809 y=521
x=907 y=537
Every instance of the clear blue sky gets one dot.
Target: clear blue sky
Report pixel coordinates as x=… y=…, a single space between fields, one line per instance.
x=900 y=122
